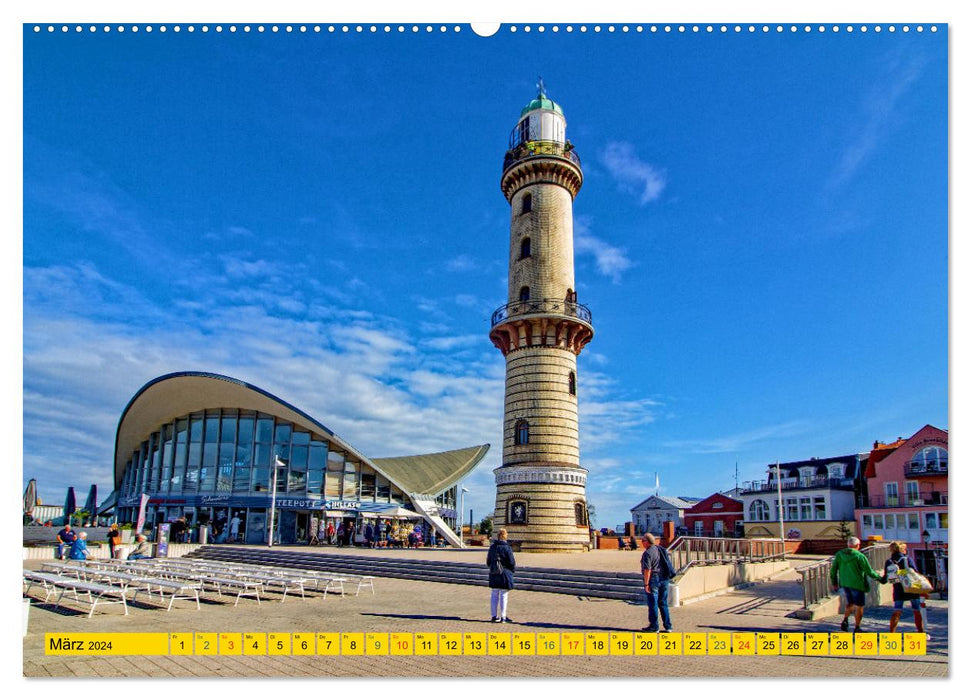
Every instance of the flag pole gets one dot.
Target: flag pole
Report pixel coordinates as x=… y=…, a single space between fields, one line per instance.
x=782 y=525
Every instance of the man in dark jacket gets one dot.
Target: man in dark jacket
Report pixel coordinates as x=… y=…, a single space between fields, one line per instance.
x=502 y=564
x=655 y=585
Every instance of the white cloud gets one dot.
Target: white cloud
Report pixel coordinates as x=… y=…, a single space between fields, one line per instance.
x=460 y=263
x=732 y=444
x=611 y=261
x=632 y=174
x=877 y=112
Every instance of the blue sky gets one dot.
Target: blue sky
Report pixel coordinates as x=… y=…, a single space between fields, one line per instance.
x=761 y=238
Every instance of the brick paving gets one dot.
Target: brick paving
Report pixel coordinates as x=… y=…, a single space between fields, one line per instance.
x=416 y=606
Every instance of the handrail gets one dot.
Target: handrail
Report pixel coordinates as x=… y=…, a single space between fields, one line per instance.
x=542 y=306
x=688 y=551
x=816 y=582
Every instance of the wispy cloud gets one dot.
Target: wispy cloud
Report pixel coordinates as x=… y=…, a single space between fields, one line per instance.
x=460 y=263
x=611 y=261
x=740 y=441
x=877 y=114
x=633 y=175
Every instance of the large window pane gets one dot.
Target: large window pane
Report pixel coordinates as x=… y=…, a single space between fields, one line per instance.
x=315 y=481
x=241 y=479
x=263 y=455
x=191 y=479
x=261 y=480
x=212 y=429
x=335 y=473
x=264 y=429
x=350 y=481
x=298 y=457
x=318 y=455
x=224 y=480
x=207 y=478
x=247 y=425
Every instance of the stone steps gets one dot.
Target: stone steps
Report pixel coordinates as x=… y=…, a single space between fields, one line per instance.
x=593 y=584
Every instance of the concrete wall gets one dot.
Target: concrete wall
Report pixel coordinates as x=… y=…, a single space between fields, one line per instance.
x=700 y=582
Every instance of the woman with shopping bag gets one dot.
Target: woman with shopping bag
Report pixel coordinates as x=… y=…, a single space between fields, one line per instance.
x=908 y=585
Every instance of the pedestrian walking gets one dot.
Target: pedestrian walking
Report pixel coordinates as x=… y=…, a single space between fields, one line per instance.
x=851 y=571
x=657 y=571
x=234 y=527
x=502 y=565
x=898 y=560
x=369 y=536
x=114 y=539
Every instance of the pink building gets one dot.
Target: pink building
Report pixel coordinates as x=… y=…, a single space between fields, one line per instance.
x=907 y=498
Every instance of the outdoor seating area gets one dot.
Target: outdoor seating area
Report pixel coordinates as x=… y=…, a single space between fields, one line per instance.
x=167 y=580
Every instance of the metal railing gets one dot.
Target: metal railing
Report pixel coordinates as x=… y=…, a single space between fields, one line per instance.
x=693 y=551
x=542 y=306
x=789 y=484
x=537 y=149
x=816 y=582
x=926 y=469
x=924 y=498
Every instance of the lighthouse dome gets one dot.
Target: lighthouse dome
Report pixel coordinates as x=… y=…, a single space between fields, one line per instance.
x=541 y=119
x=541 y=101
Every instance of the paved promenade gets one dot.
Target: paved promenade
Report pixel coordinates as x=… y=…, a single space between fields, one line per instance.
x=415 y=606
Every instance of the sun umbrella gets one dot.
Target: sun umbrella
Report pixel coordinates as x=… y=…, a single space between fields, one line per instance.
x=70 y=505
x=30 y=496
x=91 y=504
x=398 y=512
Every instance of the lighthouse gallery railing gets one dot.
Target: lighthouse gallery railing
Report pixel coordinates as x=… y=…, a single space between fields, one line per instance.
x=542 y=306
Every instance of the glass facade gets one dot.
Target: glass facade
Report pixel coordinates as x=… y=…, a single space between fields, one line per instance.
x=225 y=455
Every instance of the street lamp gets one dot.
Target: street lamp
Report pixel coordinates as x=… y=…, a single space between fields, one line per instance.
x=462 y=514
x=277 y=463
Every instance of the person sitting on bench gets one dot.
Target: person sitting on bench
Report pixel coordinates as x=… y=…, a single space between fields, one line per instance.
x=142 y=550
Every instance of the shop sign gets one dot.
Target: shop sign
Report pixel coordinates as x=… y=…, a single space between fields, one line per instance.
x=342 y=505
x=302 y=503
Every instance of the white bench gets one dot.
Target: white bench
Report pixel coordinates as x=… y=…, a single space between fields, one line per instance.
x=95 y=592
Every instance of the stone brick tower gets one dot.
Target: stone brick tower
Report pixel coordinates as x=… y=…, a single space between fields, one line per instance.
x=541 y=487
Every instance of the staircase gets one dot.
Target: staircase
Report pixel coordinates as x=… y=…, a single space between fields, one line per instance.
x=428 y=508
x=592 y=584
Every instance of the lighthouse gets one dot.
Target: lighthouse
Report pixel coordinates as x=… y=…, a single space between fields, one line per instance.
x=540 y=486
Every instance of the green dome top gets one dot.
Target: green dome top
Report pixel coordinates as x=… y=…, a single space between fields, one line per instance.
x=541 y=101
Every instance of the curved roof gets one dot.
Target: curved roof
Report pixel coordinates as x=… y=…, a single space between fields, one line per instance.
x=431 y=473
x=541 y=101
x=172 y=395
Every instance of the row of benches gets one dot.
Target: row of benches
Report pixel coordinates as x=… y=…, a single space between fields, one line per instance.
x=108 y=581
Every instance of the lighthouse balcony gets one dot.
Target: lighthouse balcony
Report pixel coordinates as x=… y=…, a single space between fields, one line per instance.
x=542 y=307
x=540 y=149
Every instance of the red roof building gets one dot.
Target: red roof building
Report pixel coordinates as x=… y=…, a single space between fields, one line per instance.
x=716 y=516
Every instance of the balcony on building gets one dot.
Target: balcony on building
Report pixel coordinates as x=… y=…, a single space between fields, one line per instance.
x=924 y=498
x=795 y=484
x=926 y=469
x=540 y=149
x=542 y=307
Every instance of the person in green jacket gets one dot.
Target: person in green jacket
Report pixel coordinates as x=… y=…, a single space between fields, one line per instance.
x=850 y=571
